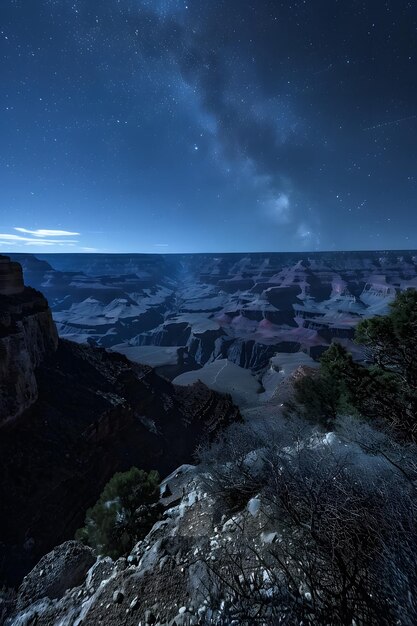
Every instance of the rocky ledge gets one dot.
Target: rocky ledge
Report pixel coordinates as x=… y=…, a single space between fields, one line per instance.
x=161 y=582
x=165 y=581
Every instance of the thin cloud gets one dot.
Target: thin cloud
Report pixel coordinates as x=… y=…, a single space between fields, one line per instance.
x=46 y=242
x=42 y=238
x=40 y=232
x=35 y=241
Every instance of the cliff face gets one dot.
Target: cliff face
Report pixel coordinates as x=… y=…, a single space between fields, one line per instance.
x=11 y=277
x=27 y=336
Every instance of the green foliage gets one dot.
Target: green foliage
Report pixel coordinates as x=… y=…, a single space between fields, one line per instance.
x=385 y=391
x=325 y=394
x=124 y=513
x=320 y=398
x=392 y=344
x=392 y=339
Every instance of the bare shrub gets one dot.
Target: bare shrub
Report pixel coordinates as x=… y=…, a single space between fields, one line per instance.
x=345 y=521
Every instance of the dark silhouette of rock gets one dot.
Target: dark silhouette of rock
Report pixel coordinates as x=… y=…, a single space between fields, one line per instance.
x=27 y=336
x=11 y=277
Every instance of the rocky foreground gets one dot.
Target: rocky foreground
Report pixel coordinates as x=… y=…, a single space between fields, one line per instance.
x=166 y=580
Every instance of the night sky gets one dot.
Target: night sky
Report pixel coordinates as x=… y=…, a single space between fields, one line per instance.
x=208 y=125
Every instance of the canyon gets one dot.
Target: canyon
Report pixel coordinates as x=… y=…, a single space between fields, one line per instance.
x=156 y=355
x=264 y=314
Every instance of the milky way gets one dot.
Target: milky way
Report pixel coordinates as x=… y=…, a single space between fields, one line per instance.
x=218 y=125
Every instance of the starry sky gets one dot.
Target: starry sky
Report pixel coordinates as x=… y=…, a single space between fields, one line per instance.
x=208 y=125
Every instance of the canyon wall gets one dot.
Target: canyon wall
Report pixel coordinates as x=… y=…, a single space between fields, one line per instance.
x=27 y=335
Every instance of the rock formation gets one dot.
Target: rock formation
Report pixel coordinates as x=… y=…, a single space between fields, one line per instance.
x=63 y=568
x=27 y=336
x=11 y=277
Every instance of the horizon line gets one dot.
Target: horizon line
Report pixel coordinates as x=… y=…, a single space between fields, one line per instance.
x=212 y=253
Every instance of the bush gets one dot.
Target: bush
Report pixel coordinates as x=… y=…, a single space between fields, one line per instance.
x=124 y=513
x=323 y=395
x=344 y=522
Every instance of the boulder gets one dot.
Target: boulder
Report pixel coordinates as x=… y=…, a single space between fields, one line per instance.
x=118 y=596
x=63 y=568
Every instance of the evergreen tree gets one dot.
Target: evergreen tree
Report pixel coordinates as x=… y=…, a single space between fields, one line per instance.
x=124 y=513
x=325 y=394
x=392 y=344
x=385 y=391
